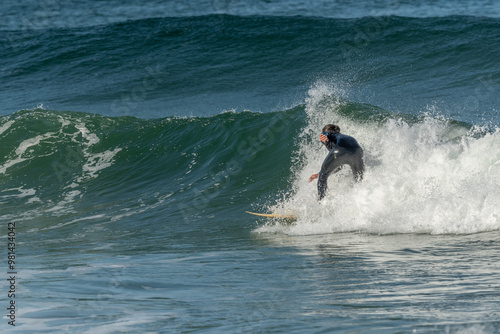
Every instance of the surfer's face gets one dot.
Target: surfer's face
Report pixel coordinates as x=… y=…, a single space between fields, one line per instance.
x=328 y=134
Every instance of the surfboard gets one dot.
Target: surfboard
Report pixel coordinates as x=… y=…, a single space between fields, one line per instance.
x=273 y=215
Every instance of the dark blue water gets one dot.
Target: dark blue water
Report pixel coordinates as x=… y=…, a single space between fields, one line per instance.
x=135 y=136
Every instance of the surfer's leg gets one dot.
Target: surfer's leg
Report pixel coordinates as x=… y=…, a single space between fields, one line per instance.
x=357 y=165
x=331 y=165
x=322 y=185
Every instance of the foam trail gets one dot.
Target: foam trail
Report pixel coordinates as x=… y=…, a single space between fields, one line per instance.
x=428 y=176
x=59 y=145
x=21 y=150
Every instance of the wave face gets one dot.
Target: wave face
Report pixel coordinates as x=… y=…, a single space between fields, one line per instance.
x=202 y=65
x=60 y=166
x=425 y=174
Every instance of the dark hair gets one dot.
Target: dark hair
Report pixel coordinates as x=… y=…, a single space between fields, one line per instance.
x=331 y=128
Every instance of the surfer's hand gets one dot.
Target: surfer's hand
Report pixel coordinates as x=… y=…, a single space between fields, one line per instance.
x=323 y=138
x=313 y=177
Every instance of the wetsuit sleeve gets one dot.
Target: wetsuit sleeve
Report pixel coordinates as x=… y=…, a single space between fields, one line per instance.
x=332 y=141
x=329 y=145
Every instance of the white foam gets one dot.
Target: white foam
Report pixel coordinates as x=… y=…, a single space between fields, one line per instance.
x=98 y=161
x=6 y=126
x=21 y=150
x=63 y=206
x=91 y=162
x=90 y=137
x=21 y=192
x=427 y=177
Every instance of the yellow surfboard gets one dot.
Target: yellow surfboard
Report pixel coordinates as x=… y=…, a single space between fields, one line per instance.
x=273 y=215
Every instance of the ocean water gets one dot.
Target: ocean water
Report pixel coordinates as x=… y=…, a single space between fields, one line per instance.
x=134 y=136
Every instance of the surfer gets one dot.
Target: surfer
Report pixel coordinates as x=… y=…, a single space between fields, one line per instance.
x=344 y=150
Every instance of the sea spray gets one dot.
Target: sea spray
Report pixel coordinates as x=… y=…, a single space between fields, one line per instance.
x=423 y=175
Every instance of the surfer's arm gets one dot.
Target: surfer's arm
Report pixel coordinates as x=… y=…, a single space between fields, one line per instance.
x=313 y=177
x=329 y=145
x=324 y=139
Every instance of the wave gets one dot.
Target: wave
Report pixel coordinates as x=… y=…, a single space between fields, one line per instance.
x=74 y=165
x=185 y=66
x=47 y=15
x=425 y=174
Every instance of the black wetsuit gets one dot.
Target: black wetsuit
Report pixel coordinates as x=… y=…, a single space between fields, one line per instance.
x=344 y=150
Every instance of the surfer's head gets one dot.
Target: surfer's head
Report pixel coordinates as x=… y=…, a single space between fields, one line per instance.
x=329 y=128
x=328 y=131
